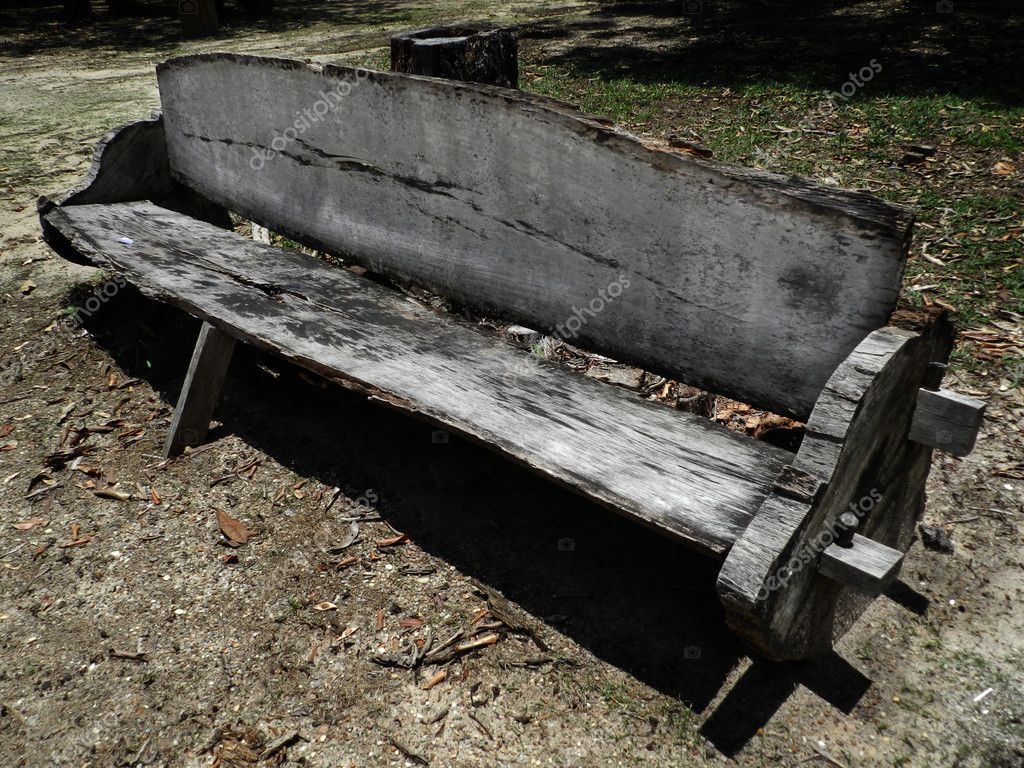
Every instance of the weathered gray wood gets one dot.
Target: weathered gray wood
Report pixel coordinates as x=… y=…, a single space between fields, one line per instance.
x=201 y=390
x=459 y=52
x=856 y=446
x=675 y=471
x=867 y=566
x=947 y=420
x=741 y=282
x=130 y=163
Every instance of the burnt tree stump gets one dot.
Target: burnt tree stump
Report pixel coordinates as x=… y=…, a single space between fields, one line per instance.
x=455 y=52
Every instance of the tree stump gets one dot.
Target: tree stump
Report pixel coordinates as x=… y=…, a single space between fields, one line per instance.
x=198 y=18
x=471 y=54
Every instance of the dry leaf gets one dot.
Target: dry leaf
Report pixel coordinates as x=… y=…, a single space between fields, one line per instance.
x=6 y=428
x=9 y=446
x=346 y=541
x=28 y=525
x=348 y=632
x=393 y=541
x=437 y=678
x=111 y=492
x=235 y=532
x=325 y=606
x=154 y=496
x=410 y=623
x=1004 y=168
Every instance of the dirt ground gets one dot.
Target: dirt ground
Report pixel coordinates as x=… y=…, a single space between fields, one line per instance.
x=132 y=635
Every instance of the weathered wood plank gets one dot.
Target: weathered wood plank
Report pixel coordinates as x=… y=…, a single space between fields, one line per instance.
x=947 y=420
x=675 y=471
x=866 y=566
x=130 y=163
x=742 y=282
x=856 y=446
x=201 y=390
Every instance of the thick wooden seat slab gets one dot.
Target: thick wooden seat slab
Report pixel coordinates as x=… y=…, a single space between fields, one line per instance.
x=673 y=470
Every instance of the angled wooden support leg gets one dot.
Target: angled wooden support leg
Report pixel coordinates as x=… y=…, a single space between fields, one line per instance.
x=201 y=390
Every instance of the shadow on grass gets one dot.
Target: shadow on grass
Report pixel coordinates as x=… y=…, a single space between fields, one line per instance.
x=971 y=48
x=30 y=27
x=636 y=599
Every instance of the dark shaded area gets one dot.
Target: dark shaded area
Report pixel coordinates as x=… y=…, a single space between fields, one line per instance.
x=764 y=687
x=903 y=594
x=971 y=48
x=637 y=600
x=30 y=27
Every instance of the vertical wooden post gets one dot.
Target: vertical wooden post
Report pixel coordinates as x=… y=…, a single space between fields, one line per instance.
x=471 y=54
x=201 y=390
x=198 y=17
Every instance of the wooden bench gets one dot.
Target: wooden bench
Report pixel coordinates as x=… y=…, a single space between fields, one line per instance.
x=771 y=290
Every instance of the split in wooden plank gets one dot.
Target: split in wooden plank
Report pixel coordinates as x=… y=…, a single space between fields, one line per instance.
x=865 y=565
x=672 y=470
x=201 y=390
x=947 y=420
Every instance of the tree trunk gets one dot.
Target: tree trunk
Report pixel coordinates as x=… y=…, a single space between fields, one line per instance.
x=198 y=18
x=471 y=54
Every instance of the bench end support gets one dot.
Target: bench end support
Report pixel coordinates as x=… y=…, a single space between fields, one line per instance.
x=865 y=565
x=947 y=420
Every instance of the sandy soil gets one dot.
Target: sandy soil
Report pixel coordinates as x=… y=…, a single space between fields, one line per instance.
x=131 y=635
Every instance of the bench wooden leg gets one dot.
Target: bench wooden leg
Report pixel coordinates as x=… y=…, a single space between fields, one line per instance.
x=201 y=390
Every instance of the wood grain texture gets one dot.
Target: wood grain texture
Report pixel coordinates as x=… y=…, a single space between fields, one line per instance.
x=675 y=471
x=866 y=566
x=947 y=420
x=201 y=390
x=856 y=446
x=130 y=163
x=742 y=282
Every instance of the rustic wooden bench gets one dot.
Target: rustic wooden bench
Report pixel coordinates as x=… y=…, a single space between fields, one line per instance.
x=770 y=290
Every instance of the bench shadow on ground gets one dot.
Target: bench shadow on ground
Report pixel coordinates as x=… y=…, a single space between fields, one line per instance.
x=970 y=48
x=630 y=596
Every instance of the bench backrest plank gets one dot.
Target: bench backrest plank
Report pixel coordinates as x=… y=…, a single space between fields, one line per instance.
x=746 y=283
